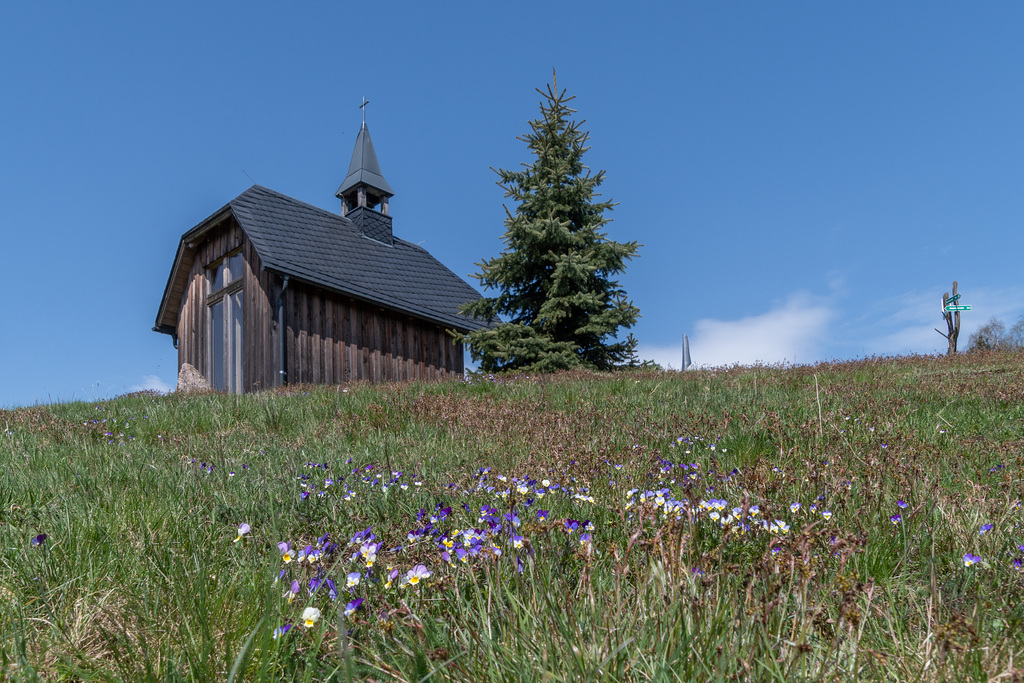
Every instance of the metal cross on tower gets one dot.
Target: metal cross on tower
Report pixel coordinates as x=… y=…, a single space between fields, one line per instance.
x=363 y=107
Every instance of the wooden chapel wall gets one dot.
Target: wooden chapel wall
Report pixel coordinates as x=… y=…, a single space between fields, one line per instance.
x=329 y=338
x=332 y=339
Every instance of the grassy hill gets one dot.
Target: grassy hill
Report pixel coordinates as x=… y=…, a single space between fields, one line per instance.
x=847 y=521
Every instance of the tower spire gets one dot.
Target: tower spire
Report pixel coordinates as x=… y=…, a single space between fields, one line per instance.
x=364 y=193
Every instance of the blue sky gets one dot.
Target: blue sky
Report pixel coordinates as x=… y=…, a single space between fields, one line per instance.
x=806 y=178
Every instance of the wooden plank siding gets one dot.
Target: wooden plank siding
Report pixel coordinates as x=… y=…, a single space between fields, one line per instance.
x=332 y=339
x=329 y=338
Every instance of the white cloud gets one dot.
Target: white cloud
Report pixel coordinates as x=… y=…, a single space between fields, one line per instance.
x=151 y=383
x=793 y=333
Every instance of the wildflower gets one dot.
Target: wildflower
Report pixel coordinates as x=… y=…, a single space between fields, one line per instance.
x=1018 y=564
x=417 y=574
x=310 y=616
x=984 y=528
x=827 y=514
x=369 y=552
x=332 y=590
x=286 y=551
x=351 y=607
x=896 y=519
x=517 y=541
x=38 y=540
x=542 y=515
x=970 y=559
x=902 y=504
x=353 y=579
x=392 y=575
x=292 y=592
x=243 y=529
x=794 y=507
x=281 y=630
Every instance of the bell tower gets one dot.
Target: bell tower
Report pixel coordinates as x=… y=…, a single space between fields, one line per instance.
x=364 y=193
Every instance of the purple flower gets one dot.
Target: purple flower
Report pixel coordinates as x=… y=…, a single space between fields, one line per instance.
x=351 y=607
x=984 y=528
x=281 y=630
x=896 y=519
x=39 y=540
x=901 y=504
x=970 y=559
x=417 y=574
x=1018 y=564
x=542 y=515
x=332 y=590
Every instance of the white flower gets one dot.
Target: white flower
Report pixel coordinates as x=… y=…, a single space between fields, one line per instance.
x=310 y=616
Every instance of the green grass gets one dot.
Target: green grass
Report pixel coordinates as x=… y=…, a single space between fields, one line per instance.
x=139 y=578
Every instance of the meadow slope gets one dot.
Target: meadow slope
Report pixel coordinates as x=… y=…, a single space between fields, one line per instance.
x=844 y=521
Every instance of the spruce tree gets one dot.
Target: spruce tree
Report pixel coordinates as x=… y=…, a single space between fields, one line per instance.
x=560 y=305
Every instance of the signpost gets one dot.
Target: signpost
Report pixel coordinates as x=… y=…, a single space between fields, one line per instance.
x=951 y=314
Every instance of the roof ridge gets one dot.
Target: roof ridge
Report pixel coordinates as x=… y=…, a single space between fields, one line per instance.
x=297 y=202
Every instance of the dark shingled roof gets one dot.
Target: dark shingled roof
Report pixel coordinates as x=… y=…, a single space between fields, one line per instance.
x=364 y=167
x=328 y=250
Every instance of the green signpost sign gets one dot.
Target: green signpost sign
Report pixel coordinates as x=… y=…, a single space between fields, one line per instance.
x=951 y=309
x=953 y=299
